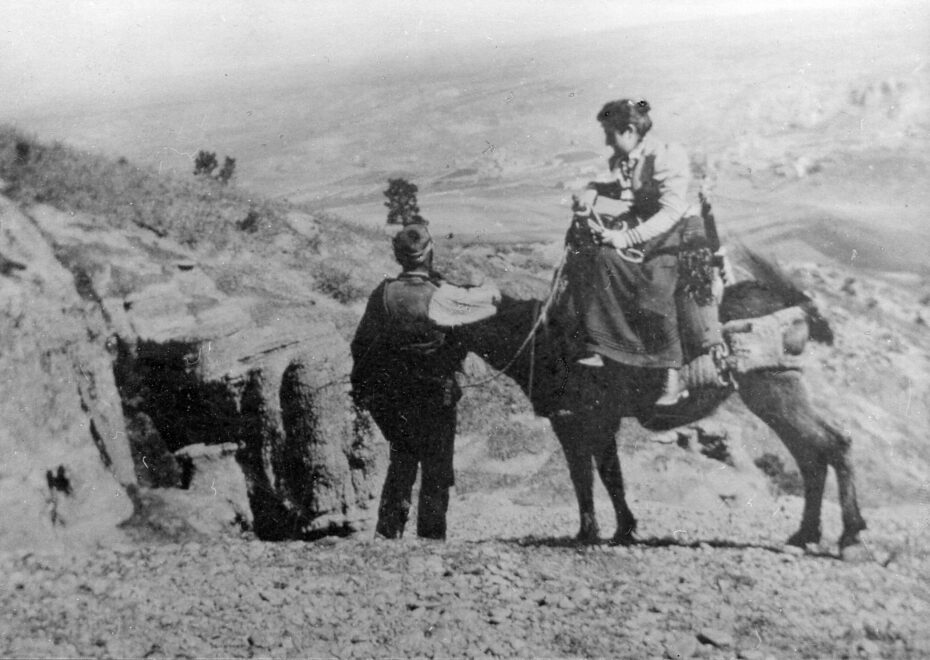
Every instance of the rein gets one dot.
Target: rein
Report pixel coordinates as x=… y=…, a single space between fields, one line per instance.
x=541 y=316
x=631 y=254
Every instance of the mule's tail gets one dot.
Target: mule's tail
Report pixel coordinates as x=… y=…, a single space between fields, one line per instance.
x=773 y=277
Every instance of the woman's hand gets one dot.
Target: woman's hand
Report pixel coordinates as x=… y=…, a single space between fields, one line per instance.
x=583 y=203
x=620 y=239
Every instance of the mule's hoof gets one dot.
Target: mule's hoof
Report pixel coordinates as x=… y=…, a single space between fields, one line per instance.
x=587 y=538
x=850 y=535
x=802 y=539
x=625 y=534
x=623 y=539
x=856 y=553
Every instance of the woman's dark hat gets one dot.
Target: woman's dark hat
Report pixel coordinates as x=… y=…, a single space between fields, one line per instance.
x=619 y=114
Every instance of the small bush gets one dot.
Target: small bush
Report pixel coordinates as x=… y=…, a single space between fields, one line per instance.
x=22 y=152
x=205 y=163
x=339 y=280
x=784 y=481
x=249 y=223
x=226 y=172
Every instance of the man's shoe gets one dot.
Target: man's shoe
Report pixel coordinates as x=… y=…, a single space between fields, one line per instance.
x=591 y=360
x=673 y=392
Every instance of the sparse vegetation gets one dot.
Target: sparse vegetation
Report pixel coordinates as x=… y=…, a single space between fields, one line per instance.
x=784 y=481
x=226 y=172
x=205 y=163
x=338 y=279
x=249 y=223
x=119 y=193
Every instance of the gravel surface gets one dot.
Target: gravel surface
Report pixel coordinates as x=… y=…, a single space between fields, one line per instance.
x=509 y=582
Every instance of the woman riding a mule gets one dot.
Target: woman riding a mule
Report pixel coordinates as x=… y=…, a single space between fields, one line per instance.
x=624 y=242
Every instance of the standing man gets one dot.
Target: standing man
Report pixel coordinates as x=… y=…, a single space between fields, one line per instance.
x=405 y=353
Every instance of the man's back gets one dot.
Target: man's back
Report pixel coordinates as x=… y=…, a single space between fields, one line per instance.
x=398 y=349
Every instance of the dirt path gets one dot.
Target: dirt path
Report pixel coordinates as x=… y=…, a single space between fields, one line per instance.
x=509 y=582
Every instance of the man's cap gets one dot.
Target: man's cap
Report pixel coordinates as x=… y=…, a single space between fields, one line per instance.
x=412 y=243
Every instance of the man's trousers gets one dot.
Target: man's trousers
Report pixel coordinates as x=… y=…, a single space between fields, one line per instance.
x=421 y=434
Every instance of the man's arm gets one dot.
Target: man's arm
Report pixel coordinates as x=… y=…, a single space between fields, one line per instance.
x=453 y=306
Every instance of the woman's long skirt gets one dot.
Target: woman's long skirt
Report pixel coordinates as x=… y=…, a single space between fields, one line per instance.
x=626 y=310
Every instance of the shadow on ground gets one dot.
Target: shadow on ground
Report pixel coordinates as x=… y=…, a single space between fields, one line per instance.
x=669 y=542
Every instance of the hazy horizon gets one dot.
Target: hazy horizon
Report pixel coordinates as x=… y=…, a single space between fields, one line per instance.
x=814 y=122
x=112 y=52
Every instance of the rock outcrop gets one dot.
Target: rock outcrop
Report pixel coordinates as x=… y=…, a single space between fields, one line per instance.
x=132 y=385
x=66 y=459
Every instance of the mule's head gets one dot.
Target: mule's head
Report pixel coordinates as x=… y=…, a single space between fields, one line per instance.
x=819 y=327
x=531 y=351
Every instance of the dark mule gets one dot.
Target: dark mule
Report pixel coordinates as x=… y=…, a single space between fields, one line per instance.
x=585 y=405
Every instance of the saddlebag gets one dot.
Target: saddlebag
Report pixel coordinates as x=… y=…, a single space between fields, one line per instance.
x=767 y=342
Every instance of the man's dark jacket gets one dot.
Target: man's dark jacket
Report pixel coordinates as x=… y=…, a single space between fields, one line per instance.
x=399 y=354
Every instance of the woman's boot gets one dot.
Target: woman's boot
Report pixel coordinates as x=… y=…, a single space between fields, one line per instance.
x=674 y=389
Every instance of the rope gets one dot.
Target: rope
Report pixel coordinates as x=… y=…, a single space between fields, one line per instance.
x=540 y=319
x=630 y=254
x=529 y=387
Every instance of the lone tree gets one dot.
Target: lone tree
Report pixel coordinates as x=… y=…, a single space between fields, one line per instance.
x=205 y=163
x=402 y=203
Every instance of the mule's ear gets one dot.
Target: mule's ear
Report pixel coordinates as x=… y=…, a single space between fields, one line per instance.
x=769 y=273
x=819 y=327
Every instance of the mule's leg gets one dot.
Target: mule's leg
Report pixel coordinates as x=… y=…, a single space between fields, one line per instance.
x=608 y=467
x=781 y=401
x=569 y=430
x=602 y=424
x=840 y=459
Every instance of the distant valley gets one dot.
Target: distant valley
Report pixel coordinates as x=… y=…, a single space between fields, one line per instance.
x=814 y=124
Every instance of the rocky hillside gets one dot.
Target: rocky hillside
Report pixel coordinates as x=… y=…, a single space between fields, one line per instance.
x=158 y=370
x=187 y=319
x=174 y=355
